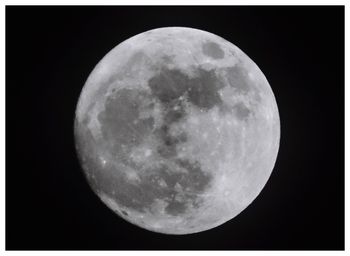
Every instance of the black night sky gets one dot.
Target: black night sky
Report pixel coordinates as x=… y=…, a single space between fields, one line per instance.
x=50 y=52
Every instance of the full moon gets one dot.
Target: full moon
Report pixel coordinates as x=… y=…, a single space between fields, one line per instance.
x=177 y=130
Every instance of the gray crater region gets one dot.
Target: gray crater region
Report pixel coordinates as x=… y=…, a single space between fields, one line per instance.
x=177 y=130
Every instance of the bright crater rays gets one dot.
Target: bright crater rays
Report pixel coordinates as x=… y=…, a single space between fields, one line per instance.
x=177 y=130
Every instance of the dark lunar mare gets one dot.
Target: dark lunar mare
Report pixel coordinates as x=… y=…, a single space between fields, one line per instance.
x=193 y=182
x=213 y=50
x=120 y=123
x=140 y=195
x=201 y=90
x=238 y=78
x=122 y=129
x=172 y=88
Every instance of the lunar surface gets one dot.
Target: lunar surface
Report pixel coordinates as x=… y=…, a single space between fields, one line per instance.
x=177 y=130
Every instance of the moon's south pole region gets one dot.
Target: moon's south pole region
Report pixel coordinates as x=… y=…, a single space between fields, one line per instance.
x=177 y=130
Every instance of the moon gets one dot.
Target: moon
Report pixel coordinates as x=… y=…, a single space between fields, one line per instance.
x=177 y=130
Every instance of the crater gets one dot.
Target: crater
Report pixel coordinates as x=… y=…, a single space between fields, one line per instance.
x=212 y=50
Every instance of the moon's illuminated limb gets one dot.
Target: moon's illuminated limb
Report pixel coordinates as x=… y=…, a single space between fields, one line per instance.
x=177 y=130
